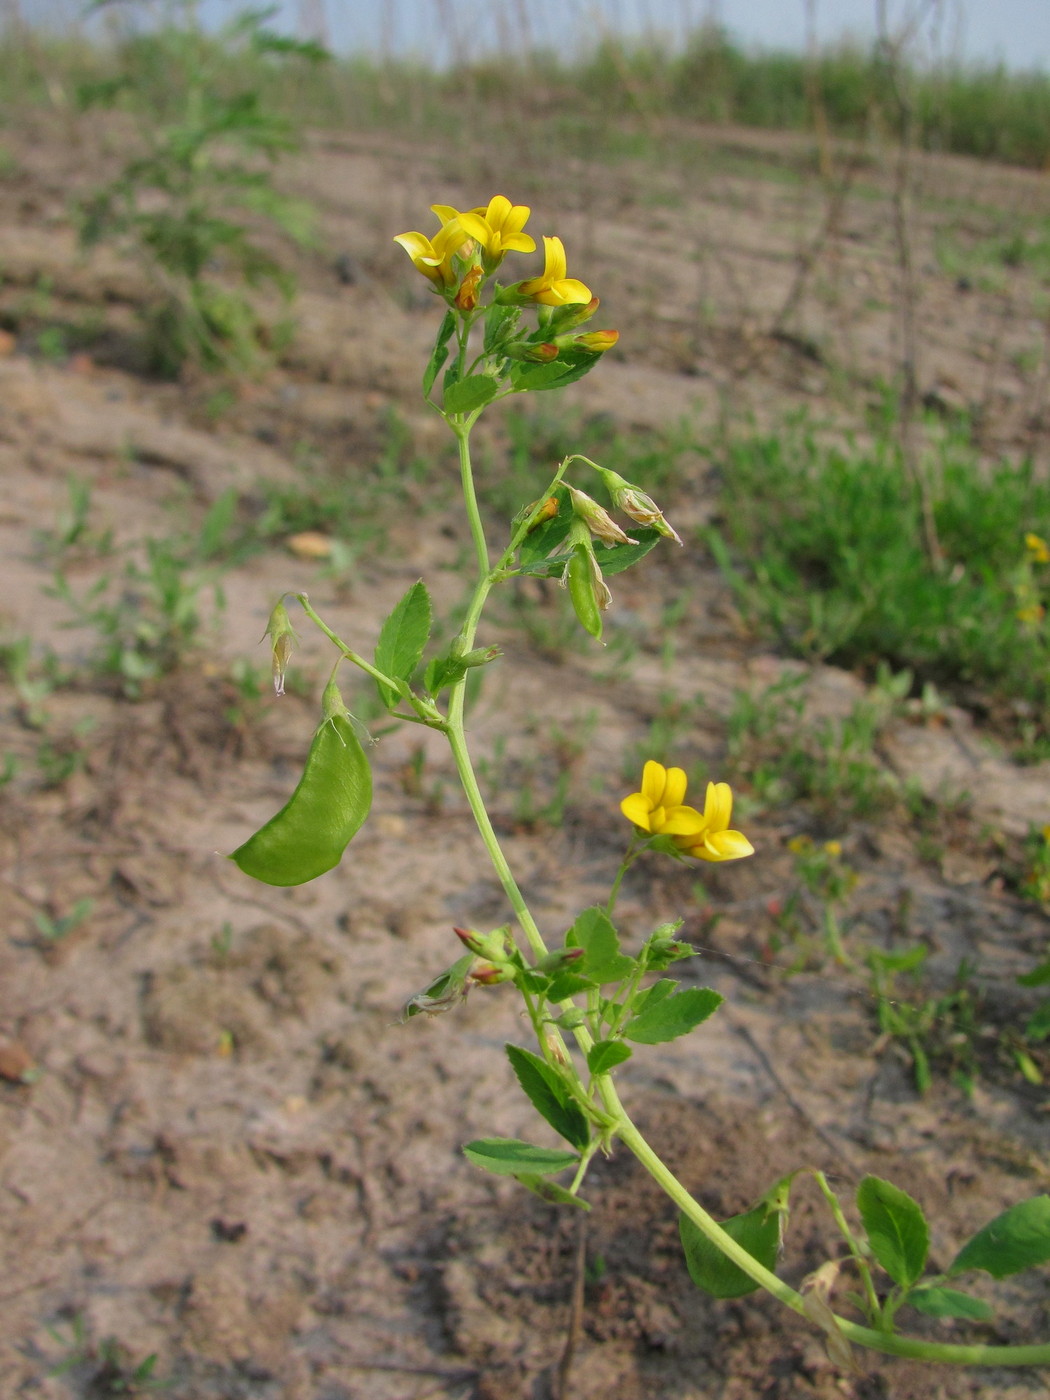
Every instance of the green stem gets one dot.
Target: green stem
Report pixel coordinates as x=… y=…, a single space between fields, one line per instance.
x=885 y=1342
x=874 y=1307
x=457 y=698
x=628 y=861
x=470 y=498
x=350 y=655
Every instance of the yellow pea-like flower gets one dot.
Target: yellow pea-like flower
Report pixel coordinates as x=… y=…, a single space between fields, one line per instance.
x=497 y=227
x=554 y=288
x=433 y=256
x=660 y=808
x=715 y=841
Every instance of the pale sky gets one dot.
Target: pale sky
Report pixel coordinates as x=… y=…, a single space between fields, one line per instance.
x=1016 y=32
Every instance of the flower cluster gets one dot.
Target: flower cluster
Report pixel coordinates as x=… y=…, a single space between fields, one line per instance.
x=471 y=244
x=660 y=810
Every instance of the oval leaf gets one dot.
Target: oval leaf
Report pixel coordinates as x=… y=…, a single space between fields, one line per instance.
x=605 y=1055
x=1018 y=1239
x=512 y=1157
x=439 y=354
x=550 y=1096
x=594 y=933
x=949 y=1302
x=672 y=1016
x=896 y=1227
x=552 y=1192
x=468 y=394
x=759 y=1233
x=402 y=638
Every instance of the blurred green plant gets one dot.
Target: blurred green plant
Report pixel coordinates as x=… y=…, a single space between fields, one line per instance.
x=195 y=203
x=784 y=756
x=107 y=1368
x=146 y=617
x=823 y=547
x=72 y=535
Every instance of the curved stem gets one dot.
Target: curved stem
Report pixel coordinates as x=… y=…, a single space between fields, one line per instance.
x=470 y=497
x=886 y=1342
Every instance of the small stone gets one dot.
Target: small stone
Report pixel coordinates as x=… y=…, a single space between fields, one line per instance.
x=16 y=1063
x=310 y=544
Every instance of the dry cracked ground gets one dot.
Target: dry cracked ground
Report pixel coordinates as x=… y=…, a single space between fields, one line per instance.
x=226 y=1152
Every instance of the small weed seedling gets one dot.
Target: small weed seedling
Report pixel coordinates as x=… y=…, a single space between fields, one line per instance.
x=55 y=928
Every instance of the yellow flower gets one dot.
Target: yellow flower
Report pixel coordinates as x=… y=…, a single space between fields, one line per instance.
x=715 y=841
x=1038 y=548
x=554 y=288
x=1032 y=612
x=433 y=256
x=498 y=228
x=659 y=808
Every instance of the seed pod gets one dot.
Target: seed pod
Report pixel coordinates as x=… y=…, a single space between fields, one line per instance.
x=578 y=576
x=311 y=831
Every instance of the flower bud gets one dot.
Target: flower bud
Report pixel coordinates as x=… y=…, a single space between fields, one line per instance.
x=490 y=946
x=480 y=656
x=282 y=638
x=597 y=519
x=596 y=342
x=540 y=511
x=560 y=959
x=466 y=299
x=567 y=318
x=487 y=974
x=537 y=354
x=635 y=503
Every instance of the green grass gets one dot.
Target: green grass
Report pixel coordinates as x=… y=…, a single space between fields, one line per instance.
x=825 y=549
x=982 y=110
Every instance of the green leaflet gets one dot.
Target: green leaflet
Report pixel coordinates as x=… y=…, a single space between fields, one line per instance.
x=549 y=1096
x=512 y=1157
x=1018 y=1239
x=896 y=1228
x=402 y=639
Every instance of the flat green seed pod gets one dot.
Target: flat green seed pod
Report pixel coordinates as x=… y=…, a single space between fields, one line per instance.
x=311 y=831
x=581 y=591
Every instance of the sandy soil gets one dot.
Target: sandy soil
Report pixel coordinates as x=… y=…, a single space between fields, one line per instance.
x=227 y=1152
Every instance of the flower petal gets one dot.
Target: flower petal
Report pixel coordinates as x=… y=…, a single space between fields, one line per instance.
x=565 y=291
x=636 y=809
x=724 y=845
x=718 y=806
x=555 y=263
x=477 y=227
x=681 y=821
x=417 y=245
x=498 y=211
x=674 y=787
x=654 y=782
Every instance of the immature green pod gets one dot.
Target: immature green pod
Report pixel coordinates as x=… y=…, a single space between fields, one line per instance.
x=311 y=831
x=579 y=577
